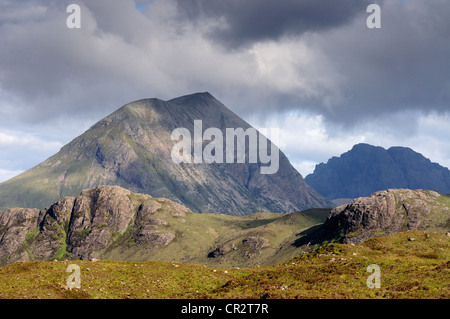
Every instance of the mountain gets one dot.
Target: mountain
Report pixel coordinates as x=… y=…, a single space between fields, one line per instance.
x=132 y=148
x=366 y=169
x=384 y=213
x=112 y=223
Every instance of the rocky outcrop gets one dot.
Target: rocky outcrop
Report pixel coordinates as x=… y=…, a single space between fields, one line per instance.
x=255 y=242
x=248 y=247
x=16 y=228
x=153 y=239
x=222 y=250
x=388 y=212
x=83 y=227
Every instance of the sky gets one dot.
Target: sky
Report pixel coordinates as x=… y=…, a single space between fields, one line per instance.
x=311 y=68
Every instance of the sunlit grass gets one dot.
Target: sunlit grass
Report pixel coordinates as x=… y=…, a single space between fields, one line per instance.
x=416 y=268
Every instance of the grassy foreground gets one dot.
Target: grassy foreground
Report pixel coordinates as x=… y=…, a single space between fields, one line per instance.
x=418 y=268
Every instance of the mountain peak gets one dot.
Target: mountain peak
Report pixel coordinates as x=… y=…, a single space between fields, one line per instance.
x=365 y=147
x=366 y=169
x=190 y=99
x=362 y=145
x=132 y=148
x=199 y=100
x=194 y=96
x=401 y=148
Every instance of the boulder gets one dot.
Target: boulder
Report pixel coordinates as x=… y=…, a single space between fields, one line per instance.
x=255 y=242
x=222 y=250
x=384 y=213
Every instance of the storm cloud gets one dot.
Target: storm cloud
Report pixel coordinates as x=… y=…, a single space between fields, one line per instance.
x=309 y=64
x=242 y=23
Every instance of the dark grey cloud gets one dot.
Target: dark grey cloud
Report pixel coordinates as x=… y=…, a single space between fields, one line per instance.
x=311 y=55
x=349 y=74
x=401 y=67
x=260 y=58
x=247 y=22
x=48 y=71
x=357 y=75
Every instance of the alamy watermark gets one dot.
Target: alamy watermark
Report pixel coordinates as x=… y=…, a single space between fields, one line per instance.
x=73 y=21
x=374 y=280
x=260 y=150
x=74 y=279
x=374 y=19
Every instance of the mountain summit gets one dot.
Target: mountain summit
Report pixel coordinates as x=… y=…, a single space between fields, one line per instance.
x=132 y=148
x=366 y=169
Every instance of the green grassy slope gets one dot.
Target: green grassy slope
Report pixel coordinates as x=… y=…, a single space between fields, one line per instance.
x=199 y=234
x=409 y=269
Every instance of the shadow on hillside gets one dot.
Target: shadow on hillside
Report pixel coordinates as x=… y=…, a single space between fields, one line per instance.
x=309 y=236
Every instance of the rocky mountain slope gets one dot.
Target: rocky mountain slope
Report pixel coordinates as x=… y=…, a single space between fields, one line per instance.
x=132 y=148
x=384 y=213
x=366 y=169
x=112 y=223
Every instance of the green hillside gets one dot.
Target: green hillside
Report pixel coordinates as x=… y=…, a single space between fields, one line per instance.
x=199 y=235
x=413 y=264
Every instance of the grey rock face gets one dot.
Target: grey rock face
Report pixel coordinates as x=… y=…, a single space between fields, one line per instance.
x=388 y=212
x=15 y=225
x=255 y=242
x=132 y=148
x=83 y=227
x=153 y=239
x=96 y=215
x=249 y=247
x=222 y=250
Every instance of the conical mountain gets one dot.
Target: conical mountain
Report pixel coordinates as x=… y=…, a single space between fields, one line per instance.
x=132 y=148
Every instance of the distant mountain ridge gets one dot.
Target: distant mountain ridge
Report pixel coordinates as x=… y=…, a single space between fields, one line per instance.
x=132 y=147
x=366 y=169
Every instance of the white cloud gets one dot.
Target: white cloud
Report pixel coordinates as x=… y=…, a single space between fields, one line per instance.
x=7 y=174
x=304 y=167
x=305 y=140
x=22 y=150
x=26 y=141
x=432 y=140
x=308 y=140
x=61 y=81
